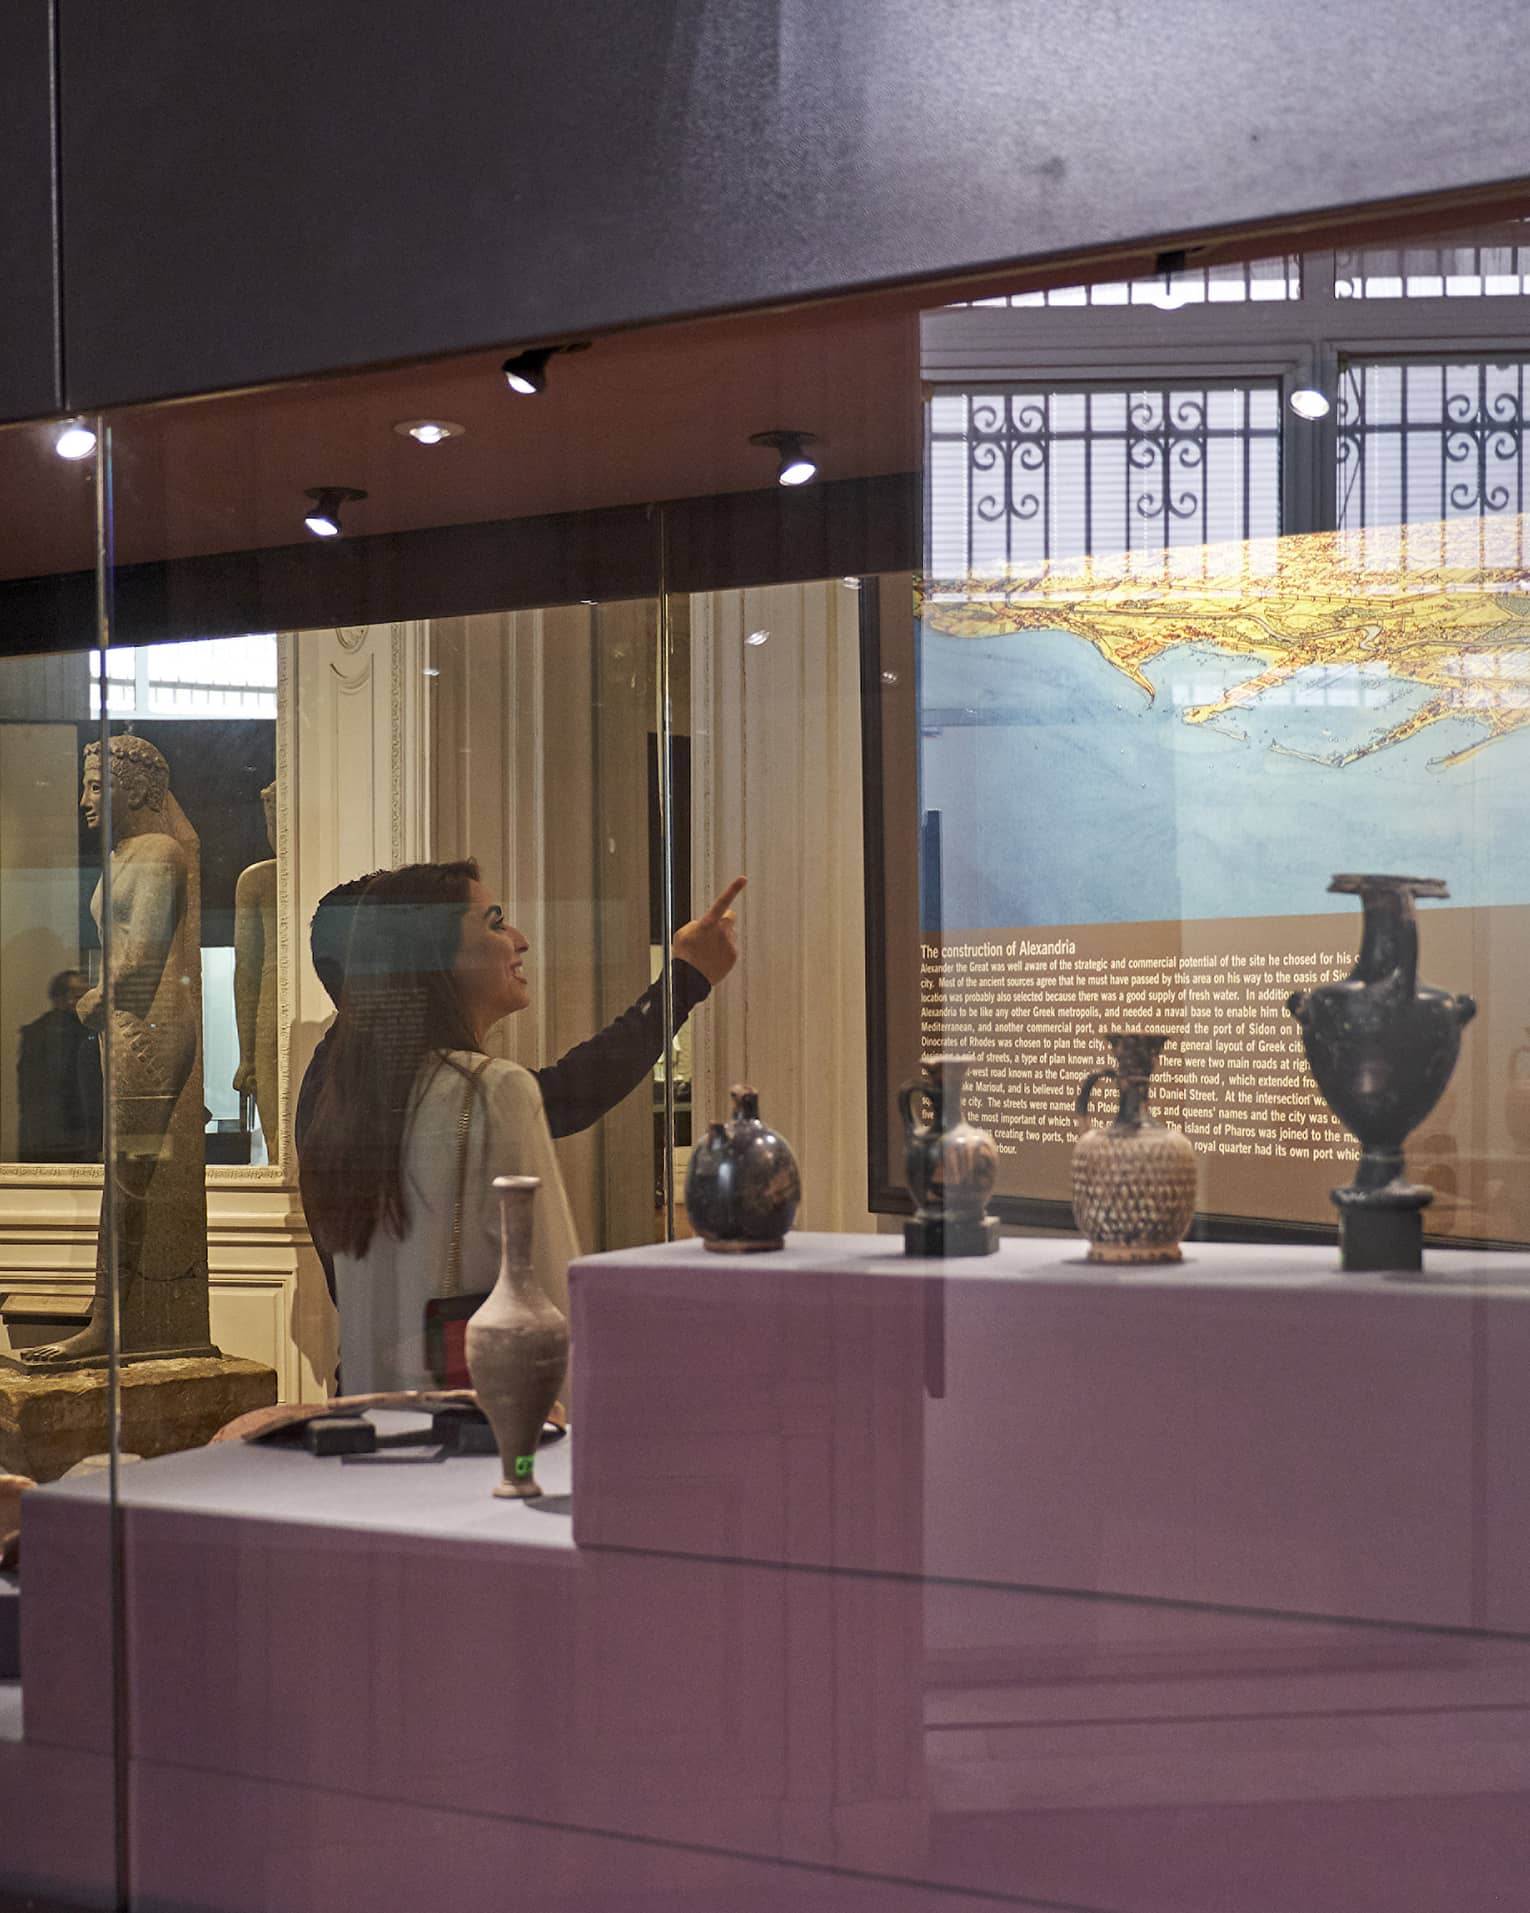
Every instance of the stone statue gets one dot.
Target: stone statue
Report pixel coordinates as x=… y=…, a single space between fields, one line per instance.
x=151 y=1007
x=255 y=985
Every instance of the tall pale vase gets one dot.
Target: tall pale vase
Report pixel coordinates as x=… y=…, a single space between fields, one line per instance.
x=517 y=1344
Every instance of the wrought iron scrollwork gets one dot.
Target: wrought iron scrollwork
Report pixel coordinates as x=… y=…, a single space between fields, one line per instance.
x=1065 y=464
x=1480 y=426
x=1166 y=434
x=1485 y=430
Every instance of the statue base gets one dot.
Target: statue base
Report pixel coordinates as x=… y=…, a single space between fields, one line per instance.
x=948 y=1236
x=1381 y=1231
x=51 y=1418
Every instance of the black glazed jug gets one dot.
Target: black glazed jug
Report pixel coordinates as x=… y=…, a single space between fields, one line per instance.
x=951 y=1164
x=741 y=1184
x=1381 y=1047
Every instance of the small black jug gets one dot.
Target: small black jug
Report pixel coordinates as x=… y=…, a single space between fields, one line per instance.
x=741 y=1186
x=952 y=1165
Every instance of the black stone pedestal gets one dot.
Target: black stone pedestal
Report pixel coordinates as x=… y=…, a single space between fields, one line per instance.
x=1379 y=1238
x=947 y=1236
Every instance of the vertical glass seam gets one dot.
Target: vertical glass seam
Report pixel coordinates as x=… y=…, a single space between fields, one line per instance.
x=665 y=752
x=108 y=1250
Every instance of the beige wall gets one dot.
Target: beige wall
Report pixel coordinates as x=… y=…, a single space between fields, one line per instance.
x=776 y=791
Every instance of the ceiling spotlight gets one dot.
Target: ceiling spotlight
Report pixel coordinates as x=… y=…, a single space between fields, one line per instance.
x=797 y=464
x=526 y=372
x=75 y=439
x=1308 y=402
x=758 y=637
x=324 y=520
x=429 y=431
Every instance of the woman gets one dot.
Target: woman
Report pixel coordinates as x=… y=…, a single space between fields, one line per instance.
x=433 y=966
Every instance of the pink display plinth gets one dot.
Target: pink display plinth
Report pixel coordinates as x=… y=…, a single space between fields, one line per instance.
x=1249 y=1428
x=366 y=1687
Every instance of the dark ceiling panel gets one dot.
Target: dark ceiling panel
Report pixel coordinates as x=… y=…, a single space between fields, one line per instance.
x=255 y=192
x=743 y=538
x=29 y=385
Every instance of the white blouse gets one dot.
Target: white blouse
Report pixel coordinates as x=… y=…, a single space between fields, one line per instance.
x=383 y=1293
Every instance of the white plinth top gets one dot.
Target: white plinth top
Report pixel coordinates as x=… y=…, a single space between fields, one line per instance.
x=1061 y=1259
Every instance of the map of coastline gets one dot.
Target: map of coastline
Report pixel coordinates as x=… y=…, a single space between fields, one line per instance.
x=1460 y=630
x=1107 y=744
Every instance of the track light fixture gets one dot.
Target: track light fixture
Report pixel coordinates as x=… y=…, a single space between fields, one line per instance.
x=324 y=519
x=75 y=439
x=526 y=372
x=797 y=463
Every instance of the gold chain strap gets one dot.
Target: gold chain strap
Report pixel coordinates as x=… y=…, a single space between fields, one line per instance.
x=464 y=1127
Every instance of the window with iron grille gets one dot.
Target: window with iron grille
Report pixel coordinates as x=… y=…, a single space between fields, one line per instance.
x=1489 y=262
x=1425 y=442
x=1026 y=477
x=1252 y=279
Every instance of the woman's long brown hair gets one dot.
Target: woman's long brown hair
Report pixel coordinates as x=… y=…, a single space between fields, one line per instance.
x=400 y=1005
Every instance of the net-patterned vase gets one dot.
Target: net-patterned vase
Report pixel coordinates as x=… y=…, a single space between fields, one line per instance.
x=1134 y=1180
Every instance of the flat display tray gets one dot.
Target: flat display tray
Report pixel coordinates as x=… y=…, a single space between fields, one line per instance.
x=394 y=1493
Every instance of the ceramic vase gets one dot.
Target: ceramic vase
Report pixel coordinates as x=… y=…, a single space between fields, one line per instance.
x=1134 y=1180
x=1516 y=1102
x=951 y=1165
x=517 y=1344
x=741 y=1184
x=1381 y=1046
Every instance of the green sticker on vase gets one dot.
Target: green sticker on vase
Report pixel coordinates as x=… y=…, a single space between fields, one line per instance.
x=523 y=1464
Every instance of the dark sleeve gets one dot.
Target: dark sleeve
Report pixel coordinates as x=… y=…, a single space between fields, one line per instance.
x=308 y=1091
x=302 y=1117
x=594 y=1076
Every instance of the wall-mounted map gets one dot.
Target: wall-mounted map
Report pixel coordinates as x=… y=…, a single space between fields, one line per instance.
x=1223 y=726
x=1136 y=776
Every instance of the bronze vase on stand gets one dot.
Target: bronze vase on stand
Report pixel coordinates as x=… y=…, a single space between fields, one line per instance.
x=517 y=1345
x=952 y=1165
x=1381 y=1046
x=1133 y=1181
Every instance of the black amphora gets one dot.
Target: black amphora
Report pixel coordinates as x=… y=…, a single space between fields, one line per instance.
x=1381 y=1046
x=741 y=1185
x=951 y=1164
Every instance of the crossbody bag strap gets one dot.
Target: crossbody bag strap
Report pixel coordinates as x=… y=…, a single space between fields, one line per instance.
x=464 y=1129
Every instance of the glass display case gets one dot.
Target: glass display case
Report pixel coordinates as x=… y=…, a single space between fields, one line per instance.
x=380 y=757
